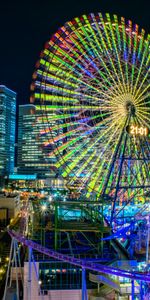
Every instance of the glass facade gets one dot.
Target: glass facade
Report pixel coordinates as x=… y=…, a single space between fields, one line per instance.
x=33 y=149
x=7 y=130
x=61 y=276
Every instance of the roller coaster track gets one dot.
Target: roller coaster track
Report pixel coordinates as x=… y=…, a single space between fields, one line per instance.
x=79 y=262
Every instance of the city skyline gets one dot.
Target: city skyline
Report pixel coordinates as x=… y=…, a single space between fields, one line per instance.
x=29 y=26
x=75 y=213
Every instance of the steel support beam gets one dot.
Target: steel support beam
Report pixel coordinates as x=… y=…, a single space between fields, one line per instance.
x=84 y=290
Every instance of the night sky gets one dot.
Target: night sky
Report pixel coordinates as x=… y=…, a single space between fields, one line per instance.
x=25 y=26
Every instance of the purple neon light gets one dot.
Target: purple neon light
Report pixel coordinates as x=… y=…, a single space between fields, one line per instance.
x=78 y=262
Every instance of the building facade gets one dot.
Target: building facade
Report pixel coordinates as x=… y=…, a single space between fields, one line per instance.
x=7 y=130
x=33 y=149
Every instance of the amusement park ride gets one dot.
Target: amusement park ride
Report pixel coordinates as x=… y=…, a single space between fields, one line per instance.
x=92 y=84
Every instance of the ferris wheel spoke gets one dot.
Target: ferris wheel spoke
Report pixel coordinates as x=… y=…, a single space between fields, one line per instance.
x=96 y=162
x=119 y=87
x=103 y=43
x=100 y=156
x=95 y=50
x=134 y=56
x=140 y=71
x=79 y=148
x=145 y=99
x=144 y=119
x=98 y=173
x=83 y=52
x=139 y=95
x=85 y=164
x=57 y=128
x=112 y=31
x=56 y=139
x=64 y=158
x=144 y=114
x=58 y=150
x=85 y=97
x=107 y=51
x=76 y=78
x=74 y=123
x=57 y=78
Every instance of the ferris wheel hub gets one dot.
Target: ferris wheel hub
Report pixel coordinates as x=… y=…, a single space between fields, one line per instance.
x=130 y=108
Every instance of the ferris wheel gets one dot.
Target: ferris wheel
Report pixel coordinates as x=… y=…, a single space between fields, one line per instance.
x=92 y=84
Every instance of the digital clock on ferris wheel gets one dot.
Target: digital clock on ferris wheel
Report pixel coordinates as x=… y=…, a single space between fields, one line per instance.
x=137 y=130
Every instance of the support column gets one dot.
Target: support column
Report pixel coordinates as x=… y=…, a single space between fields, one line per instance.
x=132 y=241
x=36 y=274
x=141 y=290
x=147 y=242
x=16 y=267
x=102 y=245
x=56 y=224
x=84 y=290
x=102 y=234
x=29 y=272
x=132 y=288
x=8 y=270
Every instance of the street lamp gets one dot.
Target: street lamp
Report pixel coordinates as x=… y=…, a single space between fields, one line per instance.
x=50 y=198
x=43 y=207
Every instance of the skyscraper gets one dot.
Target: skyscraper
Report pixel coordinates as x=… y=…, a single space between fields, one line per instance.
x=33 y=155
x=7 y=130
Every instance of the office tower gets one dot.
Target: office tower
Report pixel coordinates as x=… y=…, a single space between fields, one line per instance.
x=33 y=151
x=7 y=130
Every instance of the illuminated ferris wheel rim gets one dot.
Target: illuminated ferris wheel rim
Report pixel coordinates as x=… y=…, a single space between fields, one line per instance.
x=91 y=86
x=90 y=17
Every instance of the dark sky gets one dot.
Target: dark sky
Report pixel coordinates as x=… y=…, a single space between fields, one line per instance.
x=25 y=26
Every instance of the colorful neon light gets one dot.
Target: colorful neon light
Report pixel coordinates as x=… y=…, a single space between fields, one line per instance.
x=91 y=76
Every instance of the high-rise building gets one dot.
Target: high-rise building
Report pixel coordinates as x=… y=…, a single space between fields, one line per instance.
x=7 y=130
x=33 y=148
